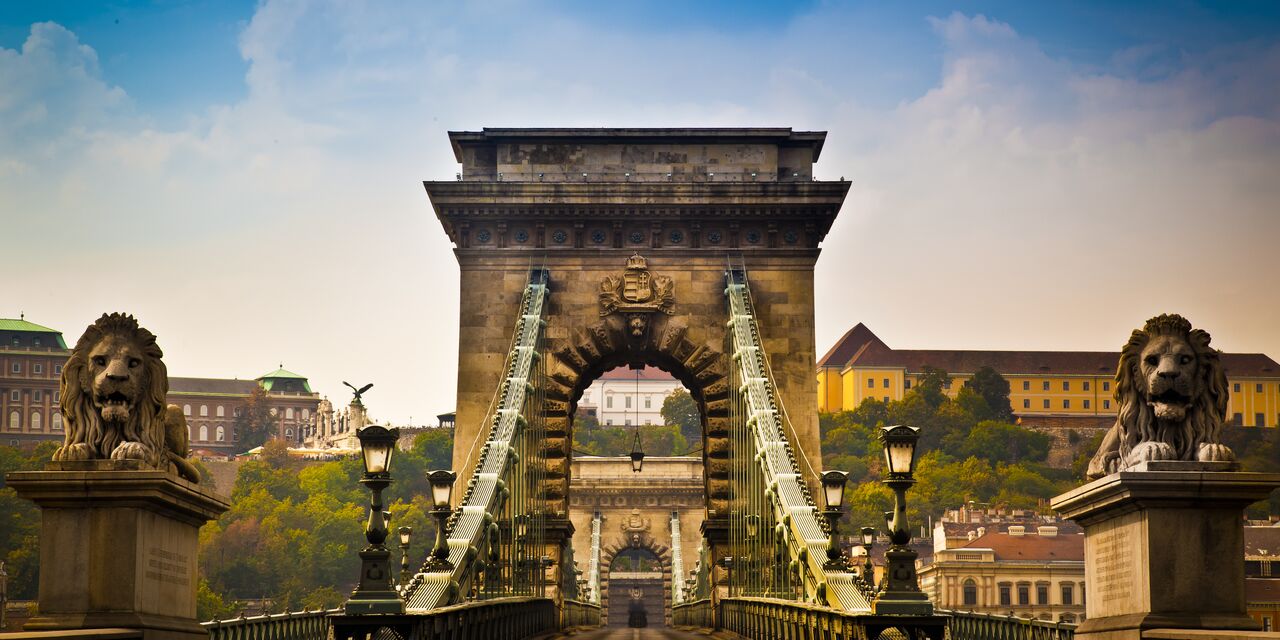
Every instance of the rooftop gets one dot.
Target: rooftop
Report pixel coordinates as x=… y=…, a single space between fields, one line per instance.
x=641 y=135
x=862 y=348
x=1262 y=543
x=647 y=374
x=1031 y=547
x=22 y=326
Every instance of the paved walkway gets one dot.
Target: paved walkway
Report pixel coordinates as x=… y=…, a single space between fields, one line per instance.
x=646 y=633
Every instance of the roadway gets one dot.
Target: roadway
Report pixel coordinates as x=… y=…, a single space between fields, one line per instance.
x=645 y=633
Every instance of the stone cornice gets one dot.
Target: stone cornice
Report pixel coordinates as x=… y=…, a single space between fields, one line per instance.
x=447 y=194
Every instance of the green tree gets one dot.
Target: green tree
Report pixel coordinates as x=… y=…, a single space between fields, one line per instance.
x=1003 y=442
x=681 y=410
x=993 y=388
x=930 y=385
x=255 y=423
x=435 y=446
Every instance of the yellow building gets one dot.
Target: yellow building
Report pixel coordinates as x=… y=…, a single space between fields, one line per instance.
x=1055 y=388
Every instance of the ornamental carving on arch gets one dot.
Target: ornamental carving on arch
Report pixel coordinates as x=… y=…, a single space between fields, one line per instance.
x=637 y=290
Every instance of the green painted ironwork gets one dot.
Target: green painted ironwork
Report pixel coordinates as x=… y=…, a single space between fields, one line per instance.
x=497 y=536
x=968 y=625
x=777 y=539
x=298 y=625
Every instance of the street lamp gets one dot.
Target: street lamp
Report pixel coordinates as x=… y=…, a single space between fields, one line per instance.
x=374 y=593
x=868 y=569
x=441 y=481
x=753 y=525
x=901 y=594
x=637 y=454
x=405 y=533
x=833 y=483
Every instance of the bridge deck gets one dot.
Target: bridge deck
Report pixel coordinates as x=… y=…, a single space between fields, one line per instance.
x=645 y=633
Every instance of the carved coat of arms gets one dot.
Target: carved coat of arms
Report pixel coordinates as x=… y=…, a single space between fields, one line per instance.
x=637 y=290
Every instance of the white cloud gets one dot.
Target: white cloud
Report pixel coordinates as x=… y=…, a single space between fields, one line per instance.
x=1020 y=201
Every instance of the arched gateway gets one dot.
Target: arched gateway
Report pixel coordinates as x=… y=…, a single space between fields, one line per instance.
x=634 y=230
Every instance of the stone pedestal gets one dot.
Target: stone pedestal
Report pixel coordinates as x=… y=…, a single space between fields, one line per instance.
x=117 y=547
x=1164 y=547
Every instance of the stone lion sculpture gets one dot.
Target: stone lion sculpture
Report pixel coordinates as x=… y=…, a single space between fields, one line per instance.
x=113 y=394
x=1172 y=396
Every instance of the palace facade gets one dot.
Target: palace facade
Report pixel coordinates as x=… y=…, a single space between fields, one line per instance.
x=1052 y=389
x=31 y=360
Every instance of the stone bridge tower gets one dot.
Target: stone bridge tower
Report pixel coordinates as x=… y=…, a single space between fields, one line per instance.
x=636 y=228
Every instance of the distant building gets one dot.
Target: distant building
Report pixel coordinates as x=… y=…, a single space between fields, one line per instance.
x=1007 y=562
x=1262 y=575
x=212 y=405
x=626 y=397
x=1048 y=390
x=31 y=359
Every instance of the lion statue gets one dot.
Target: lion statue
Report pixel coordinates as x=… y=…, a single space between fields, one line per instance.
x=113 y=393
x=1171 y=392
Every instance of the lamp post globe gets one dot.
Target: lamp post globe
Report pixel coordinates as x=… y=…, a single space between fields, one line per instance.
x=375 y=593
x=441 y=481
x=901 y=594
x=833 y=483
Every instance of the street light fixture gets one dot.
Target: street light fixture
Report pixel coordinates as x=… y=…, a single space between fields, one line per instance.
x=752 y=522
x=374 y=593
x=405 y=534
x=868 y=569
x=441 y=481
x=637 y=454
x=901 y=594
x=833 y=483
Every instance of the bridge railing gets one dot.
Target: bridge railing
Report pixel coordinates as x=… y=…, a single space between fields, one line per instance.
x=579 y=614
x=967 y=625
x=774 y=618
x=697 y=613
x=297 y=625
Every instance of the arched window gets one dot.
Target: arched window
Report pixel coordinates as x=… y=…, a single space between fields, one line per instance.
x=288 y=433
x=186 y=409
x=35 y=422
x=57 y=421
x=204 y=411
x=970 y=589
x=220 y=434
x=288 y=413
x=204 y=433
x=15 y=420
x=222 y=411
x=306 y=413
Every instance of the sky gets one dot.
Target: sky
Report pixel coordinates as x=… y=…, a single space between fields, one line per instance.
x=246 y=177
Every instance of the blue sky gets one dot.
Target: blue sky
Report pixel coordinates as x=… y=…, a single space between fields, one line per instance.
x=1026 y=175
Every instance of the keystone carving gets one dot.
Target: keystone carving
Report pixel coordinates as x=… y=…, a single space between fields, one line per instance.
x=637 y=290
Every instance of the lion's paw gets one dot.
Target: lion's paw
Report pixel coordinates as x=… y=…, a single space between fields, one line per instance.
x=132 y=451
x=77 y=451
x=1214 y=452
x=1150 y=451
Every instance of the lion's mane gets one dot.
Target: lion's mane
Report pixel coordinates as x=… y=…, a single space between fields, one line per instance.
x=146 y=422
x=1136 y=420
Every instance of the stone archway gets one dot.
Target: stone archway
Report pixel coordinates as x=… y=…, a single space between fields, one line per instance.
x=580 y=205
x=659 y=340
x=629 y=540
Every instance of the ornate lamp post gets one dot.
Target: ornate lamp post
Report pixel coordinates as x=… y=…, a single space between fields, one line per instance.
x=405 y=534
x=833 y=490
x=374 y=593
x=901 y=593
x=868 y=569
x=442 y=496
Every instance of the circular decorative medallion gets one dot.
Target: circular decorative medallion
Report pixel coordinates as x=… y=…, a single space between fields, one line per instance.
x=483 y=236
x=753 y=237
x=597 y=236
x=790 y=237
x=714 y=237
x=636 y=237
x=559 y=236
x=677 y=236
x=521 y=236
